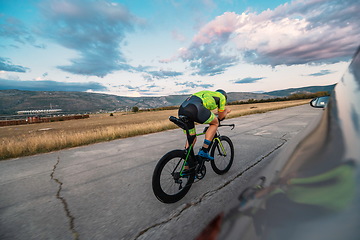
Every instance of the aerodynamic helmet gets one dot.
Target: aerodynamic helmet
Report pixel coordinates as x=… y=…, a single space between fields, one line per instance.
x=222 y=92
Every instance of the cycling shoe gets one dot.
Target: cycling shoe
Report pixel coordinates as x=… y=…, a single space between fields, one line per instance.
x=206 y=155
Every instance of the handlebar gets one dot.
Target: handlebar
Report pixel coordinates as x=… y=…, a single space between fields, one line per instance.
x=227 y=125
x=221 y=125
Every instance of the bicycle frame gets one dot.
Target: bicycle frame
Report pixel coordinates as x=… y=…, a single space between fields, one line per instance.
x=177 y=170
x=191 y=138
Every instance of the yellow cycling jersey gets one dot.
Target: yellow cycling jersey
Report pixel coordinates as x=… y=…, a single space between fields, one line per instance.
x=212 y=100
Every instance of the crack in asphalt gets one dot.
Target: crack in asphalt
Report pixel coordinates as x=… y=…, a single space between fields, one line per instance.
x=64 y=203
x=210 y=193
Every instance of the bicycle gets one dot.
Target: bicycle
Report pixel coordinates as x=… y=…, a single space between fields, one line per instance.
x=176 y=171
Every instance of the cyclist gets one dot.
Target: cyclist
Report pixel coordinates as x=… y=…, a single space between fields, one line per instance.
x=198 y=108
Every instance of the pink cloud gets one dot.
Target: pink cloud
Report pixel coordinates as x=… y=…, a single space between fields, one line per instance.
x=222 y=25
x=299 y=32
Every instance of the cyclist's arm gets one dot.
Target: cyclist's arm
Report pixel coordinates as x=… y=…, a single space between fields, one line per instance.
x=222 y=114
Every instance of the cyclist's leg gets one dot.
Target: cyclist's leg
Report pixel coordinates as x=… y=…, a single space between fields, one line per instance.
x=206 y=116
x=194 y=109
x=213 y=126
x=191 y=126
x=188 y=109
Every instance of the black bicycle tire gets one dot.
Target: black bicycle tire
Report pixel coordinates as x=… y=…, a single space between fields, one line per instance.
x=214 y=162
x=160 y=194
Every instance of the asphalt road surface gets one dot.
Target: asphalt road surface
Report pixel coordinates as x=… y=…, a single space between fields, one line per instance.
x=103 y=191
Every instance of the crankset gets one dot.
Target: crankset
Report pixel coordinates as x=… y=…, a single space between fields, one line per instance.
x=201 y=171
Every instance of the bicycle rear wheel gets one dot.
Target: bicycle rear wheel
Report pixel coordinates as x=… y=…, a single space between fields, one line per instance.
x=168 y=186
x=223 y=153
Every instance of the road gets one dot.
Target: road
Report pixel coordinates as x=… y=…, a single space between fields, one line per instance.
x=103 y=191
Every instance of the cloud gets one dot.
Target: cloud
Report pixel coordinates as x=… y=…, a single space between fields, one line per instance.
x=148 y=89
x=164 y=74
x=95 y=29
x=321 y=73
x=129 y=87
x=183 y=91
x=6 y=65
x=300 y=32
x=247 y=80
x=207 y=51
x=194 y=85
x=14 y=29
x=151 y=75
x=48 y=85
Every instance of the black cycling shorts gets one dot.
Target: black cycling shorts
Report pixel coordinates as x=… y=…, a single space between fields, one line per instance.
x=193 y=108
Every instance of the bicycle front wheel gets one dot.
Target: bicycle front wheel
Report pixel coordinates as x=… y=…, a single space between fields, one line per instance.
x=223 y=153
x=168 y=184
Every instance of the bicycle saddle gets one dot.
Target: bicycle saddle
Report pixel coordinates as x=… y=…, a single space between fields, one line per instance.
x=184 y=118
x=178 y=122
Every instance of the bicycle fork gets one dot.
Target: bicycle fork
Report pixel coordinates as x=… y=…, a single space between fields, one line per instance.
x=220 y=147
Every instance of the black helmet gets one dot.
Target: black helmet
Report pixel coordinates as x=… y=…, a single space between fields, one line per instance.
x=222 y=92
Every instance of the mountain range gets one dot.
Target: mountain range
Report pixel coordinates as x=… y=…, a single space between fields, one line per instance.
x=12 y=101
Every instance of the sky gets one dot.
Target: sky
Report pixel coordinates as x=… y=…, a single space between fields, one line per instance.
x=167 y=47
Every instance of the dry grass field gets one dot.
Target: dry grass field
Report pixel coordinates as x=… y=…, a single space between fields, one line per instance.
x=23 y=140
